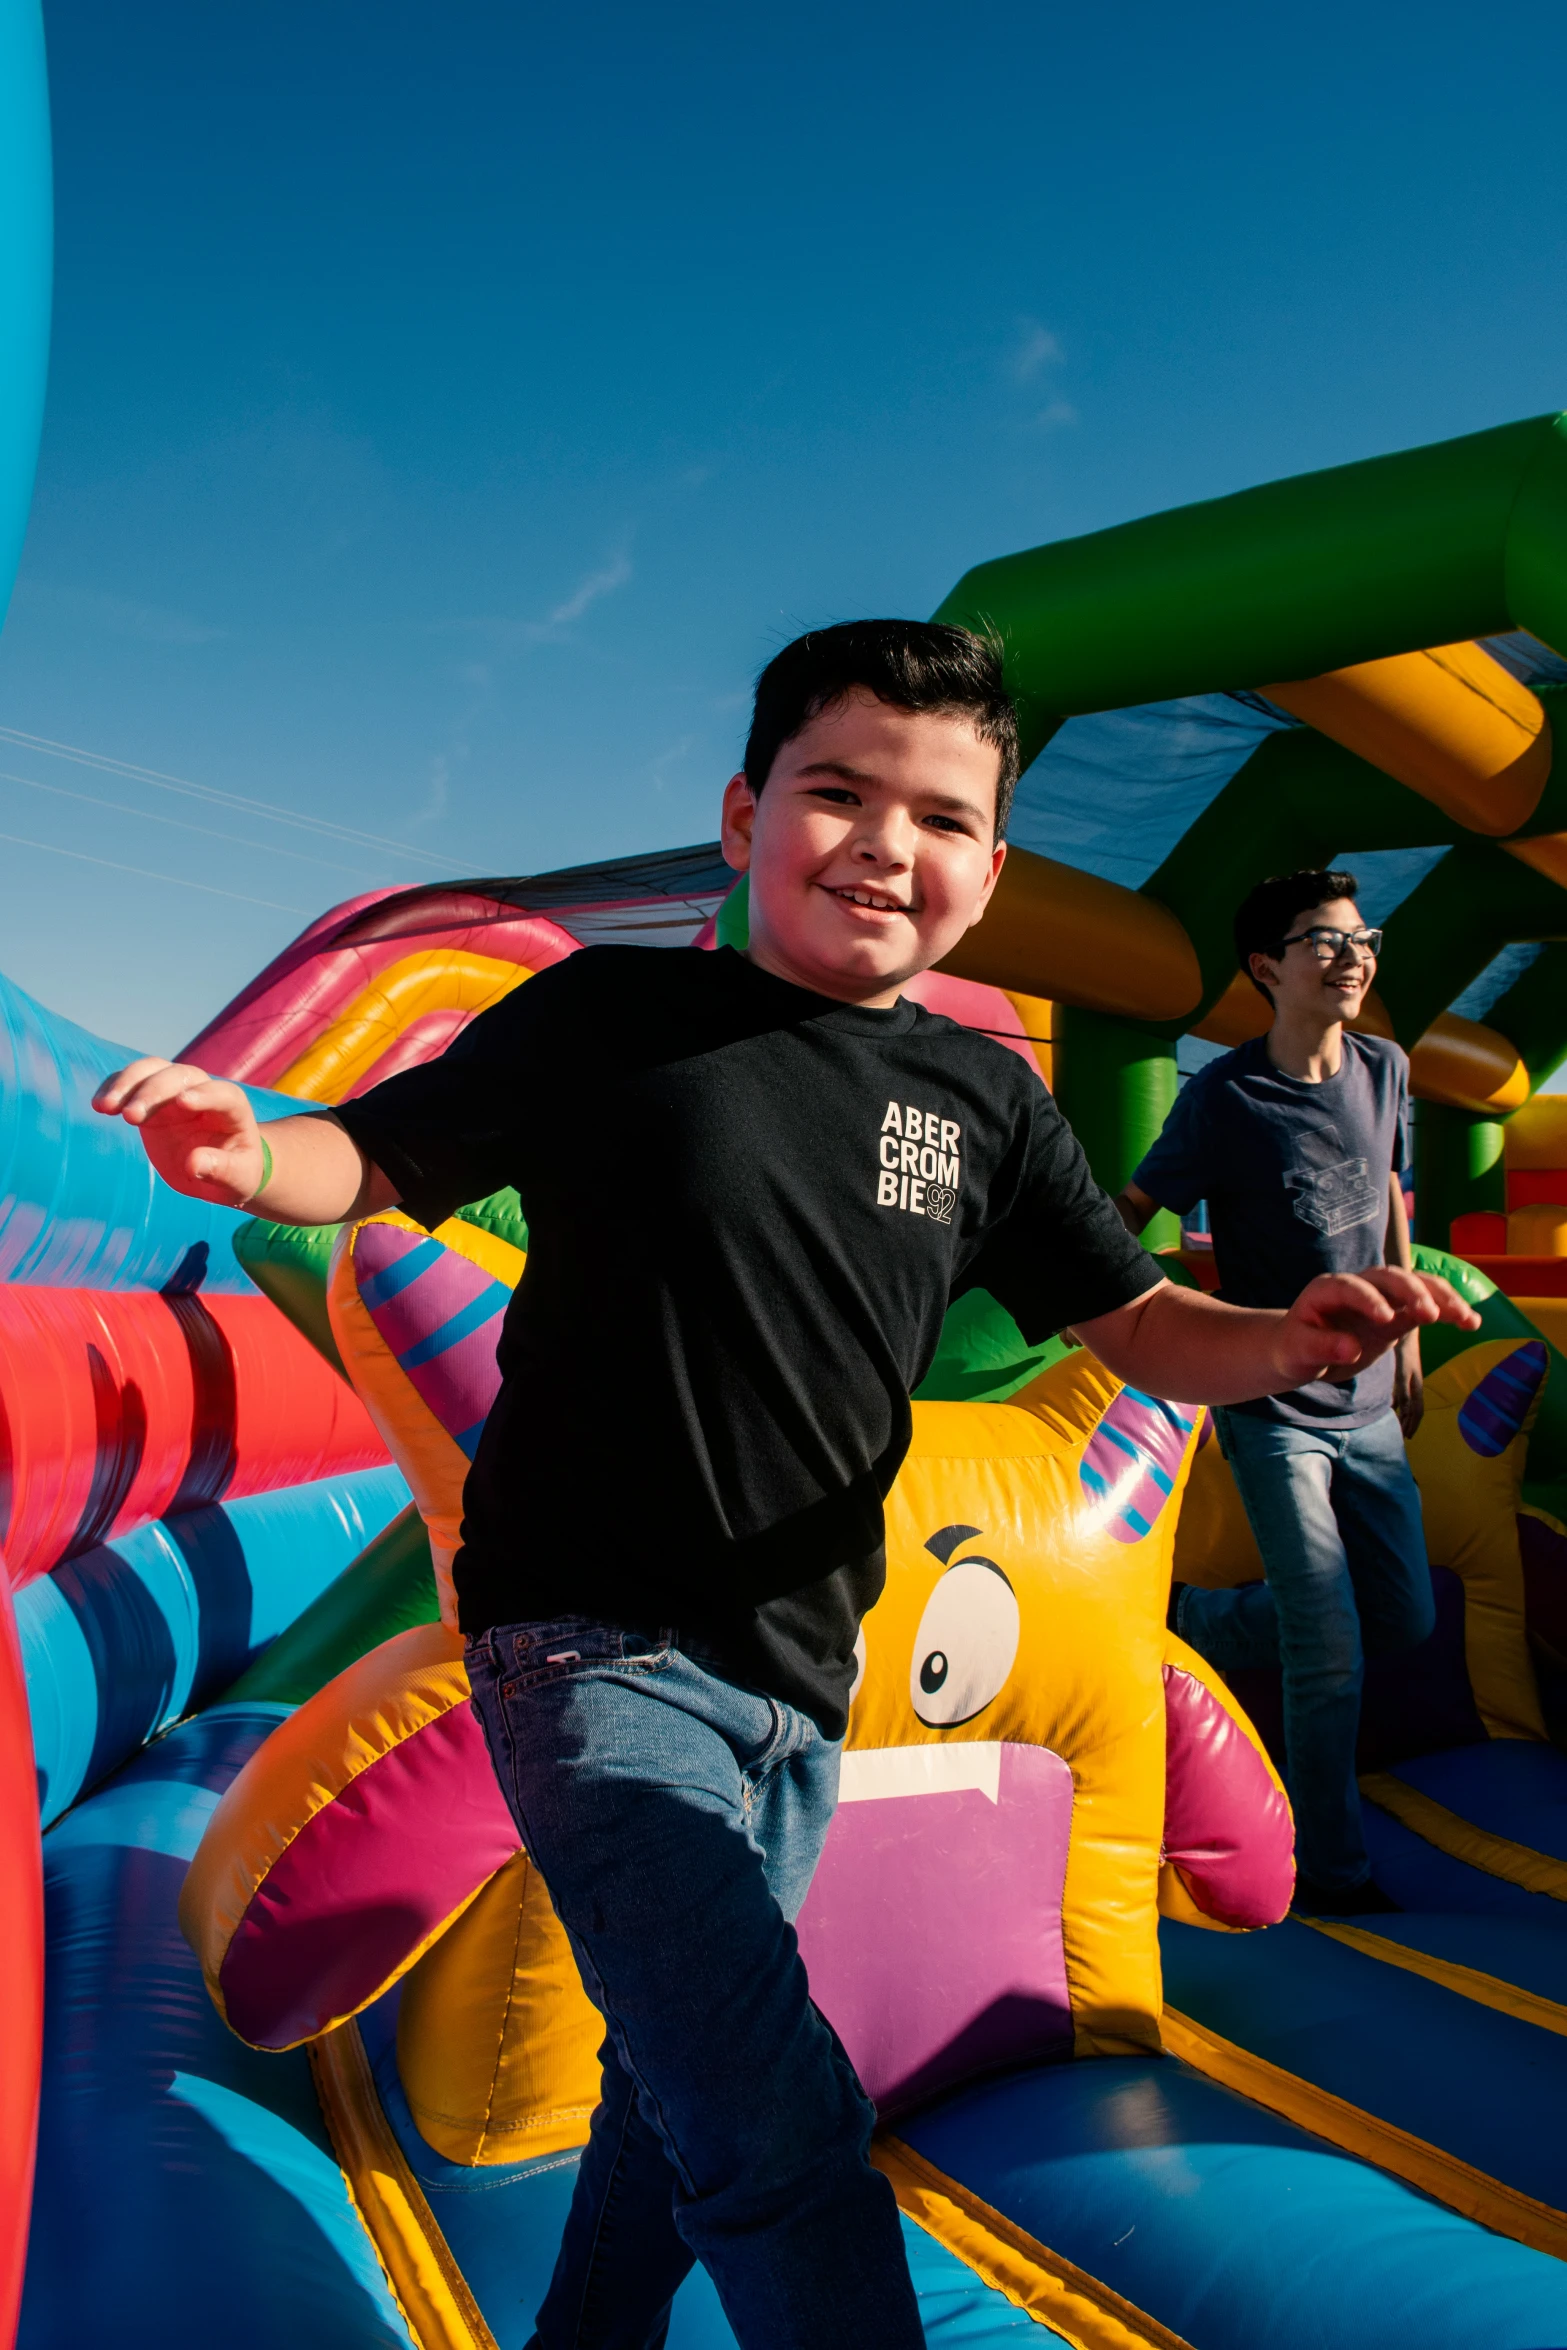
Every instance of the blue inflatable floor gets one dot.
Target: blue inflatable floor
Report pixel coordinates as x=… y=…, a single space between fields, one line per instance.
x=187 y=2192
x=1424 y=1880
x=1511 y=1787
x=1527 y=1951
x=1230 y=2227
x=1484 y=2086
x=503 y=2226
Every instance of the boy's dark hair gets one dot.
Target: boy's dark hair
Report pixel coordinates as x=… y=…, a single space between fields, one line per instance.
x=1269 y=914
x=910 y=664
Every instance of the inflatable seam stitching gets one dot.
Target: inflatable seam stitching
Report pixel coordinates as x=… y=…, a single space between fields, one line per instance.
x=485 y=2131
x=1498 y=1856
x=1088 y=2314
x=429 y=2287
x=1529 y=2007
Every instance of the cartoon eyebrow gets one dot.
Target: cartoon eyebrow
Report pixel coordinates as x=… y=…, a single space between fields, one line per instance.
x=945 y=1540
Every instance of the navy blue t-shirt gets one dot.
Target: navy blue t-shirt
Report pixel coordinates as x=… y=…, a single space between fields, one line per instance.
x=1296 y=1180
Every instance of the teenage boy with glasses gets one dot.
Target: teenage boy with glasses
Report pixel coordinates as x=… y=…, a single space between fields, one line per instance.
x=1298 y=1143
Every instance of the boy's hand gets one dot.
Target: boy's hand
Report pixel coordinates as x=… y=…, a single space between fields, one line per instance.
x=200 y=1132
x=1341 y=1322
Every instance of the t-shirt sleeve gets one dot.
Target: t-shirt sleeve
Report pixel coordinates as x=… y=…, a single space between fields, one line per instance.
x=1176 y=1172
x=1060 y=1254
x=446 y=1132
x=1403 y=1156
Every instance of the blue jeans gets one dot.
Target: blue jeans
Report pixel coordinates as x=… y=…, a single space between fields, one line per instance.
x=678 y=1820
x=1336 y=1514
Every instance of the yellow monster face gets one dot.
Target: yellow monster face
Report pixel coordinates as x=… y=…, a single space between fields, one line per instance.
x=1028 y=1564
x=989 y=1891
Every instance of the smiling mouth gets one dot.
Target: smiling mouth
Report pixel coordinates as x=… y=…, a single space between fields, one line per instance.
x=869 y=901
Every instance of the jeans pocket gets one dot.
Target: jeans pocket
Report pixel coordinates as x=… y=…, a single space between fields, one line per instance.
x=537 y=1655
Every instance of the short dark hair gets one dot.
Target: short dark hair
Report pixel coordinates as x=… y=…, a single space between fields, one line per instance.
x=1269 y=913
x=911 y=664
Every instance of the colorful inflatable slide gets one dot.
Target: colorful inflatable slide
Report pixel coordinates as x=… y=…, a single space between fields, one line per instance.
x=285 y=2007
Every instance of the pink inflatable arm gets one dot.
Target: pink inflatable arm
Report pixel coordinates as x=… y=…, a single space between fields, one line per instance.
x=1229 y=1840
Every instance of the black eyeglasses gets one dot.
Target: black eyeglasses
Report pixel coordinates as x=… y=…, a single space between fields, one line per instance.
x=1330 y=945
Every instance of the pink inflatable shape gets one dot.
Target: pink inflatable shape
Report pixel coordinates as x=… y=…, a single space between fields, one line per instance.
x=441 y=1316
x=1133 y=1459
x=932 y=1932
x=1227 y=1827
x=367 y=1881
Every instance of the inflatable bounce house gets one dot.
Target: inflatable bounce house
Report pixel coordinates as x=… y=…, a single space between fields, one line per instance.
x=287 y=2017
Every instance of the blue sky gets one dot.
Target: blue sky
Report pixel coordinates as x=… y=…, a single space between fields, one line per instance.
x=452 y=407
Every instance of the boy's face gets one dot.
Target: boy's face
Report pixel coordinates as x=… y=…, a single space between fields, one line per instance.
x=1301 y=981
x=871 y=849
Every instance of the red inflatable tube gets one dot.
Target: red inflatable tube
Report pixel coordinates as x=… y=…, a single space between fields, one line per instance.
x=117 y=1407
x=21 y=1967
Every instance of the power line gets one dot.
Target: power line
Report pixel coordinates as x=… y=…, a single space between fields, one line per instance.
x=267 y=809
x=140 y=873
x=88 y=799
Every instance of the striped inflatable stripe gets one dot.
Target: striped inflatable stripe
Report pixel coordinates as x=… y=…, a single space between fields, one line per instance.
x=441 y=1318
x=1132 y=1460
x=1498 y=1407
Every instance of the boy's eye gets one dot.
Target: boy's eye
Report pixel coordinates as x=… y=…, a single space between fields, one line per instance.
x=838 y=795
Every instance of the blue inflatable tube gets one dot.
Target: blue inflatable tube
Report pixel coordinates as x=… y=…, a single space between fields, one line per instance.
x=126 y=1638
x=178 y=2171
x=79 y=1205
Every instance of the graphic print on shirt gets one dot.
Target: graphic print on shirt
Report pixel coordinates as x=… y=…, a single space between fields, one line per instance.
x=920 y=1165
x=1335 y=1199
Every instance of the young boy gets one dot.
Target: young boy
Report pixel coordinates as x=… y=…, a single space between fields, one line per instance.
x=661 y=1592
x=1298 y=1142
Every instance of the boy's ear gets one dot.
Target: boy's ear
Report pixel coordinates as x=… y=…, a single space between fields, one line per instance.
x=998 y=857
x=738 y=823
x=1264 y=970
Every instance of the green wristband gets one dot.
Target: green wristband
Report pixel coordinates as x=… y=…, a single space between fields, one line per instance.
x=266 y=1172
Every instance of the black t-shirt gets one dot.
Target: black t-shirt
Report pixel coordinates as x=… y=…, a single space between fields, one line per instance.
x=748 y=1208
x=1296 y=1179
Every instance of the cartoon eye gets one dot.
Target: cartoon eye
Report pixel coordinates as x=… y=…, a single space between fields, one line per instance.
x=966 y=1644
x=859 y=1664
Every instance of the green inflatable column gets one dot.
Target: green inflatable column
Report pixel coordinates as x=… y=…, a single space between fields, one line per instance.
x=1458 y=1168
x=1116 y=1084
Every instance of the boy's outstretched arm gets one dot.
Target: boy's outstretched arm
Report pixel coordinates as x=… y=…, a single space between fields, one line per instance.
x=203 y=1137
x=1193 y=1349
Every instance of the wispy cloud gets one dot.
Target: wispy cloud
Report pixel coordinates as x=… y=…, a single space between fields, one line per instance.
x=1058 y=413
x=1036 y=349
x=556 y=626
x=597 y=584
